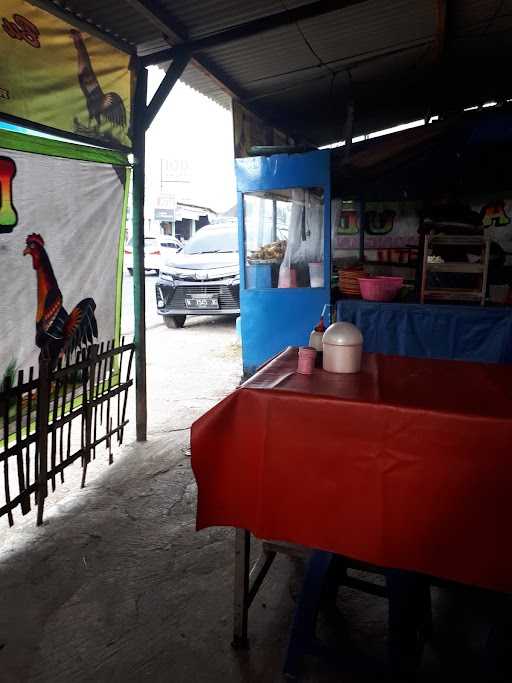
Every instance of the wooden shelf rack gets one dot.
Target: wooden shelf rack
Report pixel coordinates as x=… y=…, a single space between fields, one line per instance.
x=455 y=293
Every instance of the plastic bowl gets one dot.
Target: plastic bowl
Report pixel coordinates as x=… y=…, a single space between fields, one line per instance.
x=380 y=288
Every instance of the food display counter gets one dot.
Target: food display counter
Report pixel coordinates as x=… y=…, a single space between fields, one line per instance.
x=316 y=220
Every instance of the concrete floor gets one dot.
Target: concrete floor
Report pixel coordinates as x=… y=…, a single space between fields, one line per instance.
x=118 y=586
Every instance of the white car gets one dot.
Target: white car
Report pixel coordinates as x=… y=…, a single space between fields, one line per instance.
x=156 y=251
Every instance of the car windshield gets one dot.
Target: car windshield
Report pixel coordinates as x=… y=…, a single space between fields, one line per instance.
x=208 y=241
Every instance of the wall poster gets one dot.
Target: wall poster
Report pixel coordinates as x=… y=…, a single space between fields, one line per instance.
x=55 y=75
x=62 y=211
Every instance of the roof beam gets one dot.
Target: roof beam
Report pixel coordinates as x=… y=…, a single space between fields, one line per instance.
x=173 y=30
x=160 y=18
x=167 y=84
x=252 y=28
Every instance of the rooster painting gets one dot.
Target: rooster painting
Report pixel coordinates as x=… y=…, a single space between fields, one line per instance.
x=57 y=332
x=101 y=106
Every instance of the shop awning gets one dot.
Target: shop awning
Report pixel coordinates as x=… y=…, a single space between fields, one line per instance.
x=299 y=64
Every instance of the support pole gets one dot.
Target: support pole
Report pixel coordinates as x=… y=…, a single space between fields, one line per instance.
x=143 y=115
x=43 y=417
x=241 y=593
x=139 y=285
x=438 y=85
x=362 y=225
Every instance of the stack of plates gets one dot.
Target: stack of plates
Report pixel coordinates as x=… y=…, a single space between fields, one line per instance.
x=349 y=280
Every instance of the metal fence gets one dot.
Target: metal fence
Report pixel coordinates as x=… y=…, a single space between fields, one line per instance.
x=50 y=421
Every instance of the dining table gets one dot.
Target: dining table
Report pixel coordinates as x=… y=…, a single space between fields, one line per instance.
x=406 y=464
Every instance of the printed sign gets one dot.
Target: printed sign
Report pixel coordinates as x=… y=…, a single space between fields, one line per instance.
x=8 y=214
x=58 y=265
x=54 y=75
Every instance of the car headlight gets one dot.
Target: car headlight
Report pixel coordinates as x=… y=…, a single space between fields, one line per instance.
x=235 y=281
x=166 y=276
x=160 y=303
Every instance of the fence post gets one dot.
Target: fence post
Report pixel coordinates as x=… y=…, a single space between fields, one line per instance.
x=6 y=390
x=87 y=407
x=43 y=416
x=22 y=476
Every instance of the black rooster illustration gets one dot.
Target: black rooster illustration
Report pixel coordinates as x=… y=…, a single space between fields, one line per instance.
x=108 y=106
x=57 y=332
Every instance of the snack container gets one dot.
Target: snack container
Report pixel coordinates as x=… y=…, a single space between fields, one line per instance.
x=316 y=274
x=287 y=277
x=259 y=275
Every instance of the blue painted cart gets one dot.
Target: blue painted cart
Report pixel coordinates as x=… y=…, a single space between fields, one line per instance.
x=284 y=223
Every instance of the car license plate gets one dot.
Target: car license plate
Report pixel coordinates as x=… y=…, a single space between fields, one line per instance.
x=202 y=301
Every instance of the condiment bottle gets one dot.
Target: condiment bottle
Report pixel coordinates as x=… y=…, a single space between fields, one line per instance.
x=316 y=336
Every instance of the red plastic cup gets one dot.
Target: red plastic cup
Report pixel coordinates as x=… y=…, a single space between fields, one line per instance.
x=307 y=358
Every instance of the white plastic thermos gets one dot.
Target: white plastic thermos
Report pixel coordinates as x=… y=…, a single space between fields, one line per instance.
x=343 y=348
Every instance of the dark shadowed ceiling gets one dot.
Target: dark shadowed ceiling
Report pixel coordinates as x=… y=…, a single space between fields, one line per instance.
x=395 y=60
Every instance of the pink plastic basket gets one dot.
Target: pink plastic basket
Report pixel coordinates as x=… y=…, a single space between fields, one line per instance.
x=380 y=288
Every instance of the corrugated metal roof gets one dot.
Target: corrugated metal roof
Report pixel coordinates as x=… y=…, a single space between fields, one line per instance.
x=199 y=79
x=202 y=17
x=111 y=17
x=300 y=76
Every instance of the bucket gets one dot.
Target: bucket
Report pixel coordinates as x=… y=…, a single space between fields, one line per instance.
x=380 y=288
x=259 y=275
x=316 y=274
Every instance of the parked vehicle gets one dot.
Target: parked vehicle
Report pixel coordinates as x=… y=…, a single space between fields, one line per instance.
x=156 y=251
x=169 y=245
x=151 y=255
x=203 y=278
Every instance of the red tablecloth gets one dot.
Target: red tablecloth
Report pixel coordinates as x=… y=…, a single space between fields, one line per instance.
x=407 y=464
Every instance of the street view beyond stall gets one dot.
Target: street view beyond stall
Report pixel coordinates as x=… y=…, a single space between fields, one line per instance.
x=189 y=369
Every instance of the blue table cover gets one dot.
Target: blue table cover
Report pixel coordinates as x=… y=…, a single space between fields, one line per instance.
x=432 y=331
